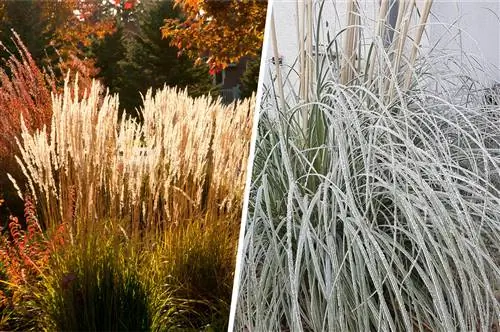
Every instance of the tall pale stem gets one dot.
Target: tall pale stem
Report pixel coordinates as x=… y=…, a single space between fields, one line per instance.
x=418 y=38
x=350 y=42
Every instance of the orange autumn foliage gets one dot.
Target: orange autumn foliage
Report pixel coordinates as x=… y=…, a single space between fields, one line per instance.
x=67 y=27
x=221 y=31
x=86 y=21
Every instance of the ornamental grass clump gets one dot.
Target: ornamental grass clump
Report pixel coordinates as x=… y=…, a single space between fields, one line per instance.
x=151 y=209
x=106 y=280
x=194 y=266
x=375 y=193
x=93 y=285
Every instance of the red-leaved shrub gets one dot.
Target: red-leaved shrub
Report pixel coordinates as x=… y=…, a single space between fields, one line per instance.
x=25 y=90
x=24 y=257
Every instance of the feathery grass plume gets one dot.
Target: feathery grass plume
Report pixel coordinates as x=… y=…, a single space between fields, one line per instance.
x=186 y=160
x=76 y=152
x=375 y=194
x=230 y=149
x=197 y=149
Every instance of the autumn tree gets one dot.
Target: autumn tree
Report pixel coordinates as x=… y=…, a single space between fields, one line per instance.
x=222 y=32
x=60 y=34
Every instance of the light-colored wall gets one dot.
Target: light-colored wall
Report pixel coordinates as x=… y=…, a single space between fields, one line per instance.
x=475 y=27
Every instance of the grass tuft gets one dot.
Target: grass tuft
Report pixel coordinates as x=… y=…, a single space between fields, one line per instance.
x=375 y=190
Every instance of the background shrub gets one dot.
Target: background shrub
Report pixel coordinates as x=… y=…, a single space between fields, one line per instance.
x=25 y=91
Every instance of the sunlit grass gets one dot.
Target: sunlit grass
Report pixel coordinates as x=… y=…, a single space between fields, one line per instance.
x=185 y=160
x=195 y=264
x=151 y=210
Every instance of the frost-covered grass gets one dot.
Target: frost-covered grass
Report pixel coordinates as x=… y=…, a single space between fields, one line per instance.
x=375 y=198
